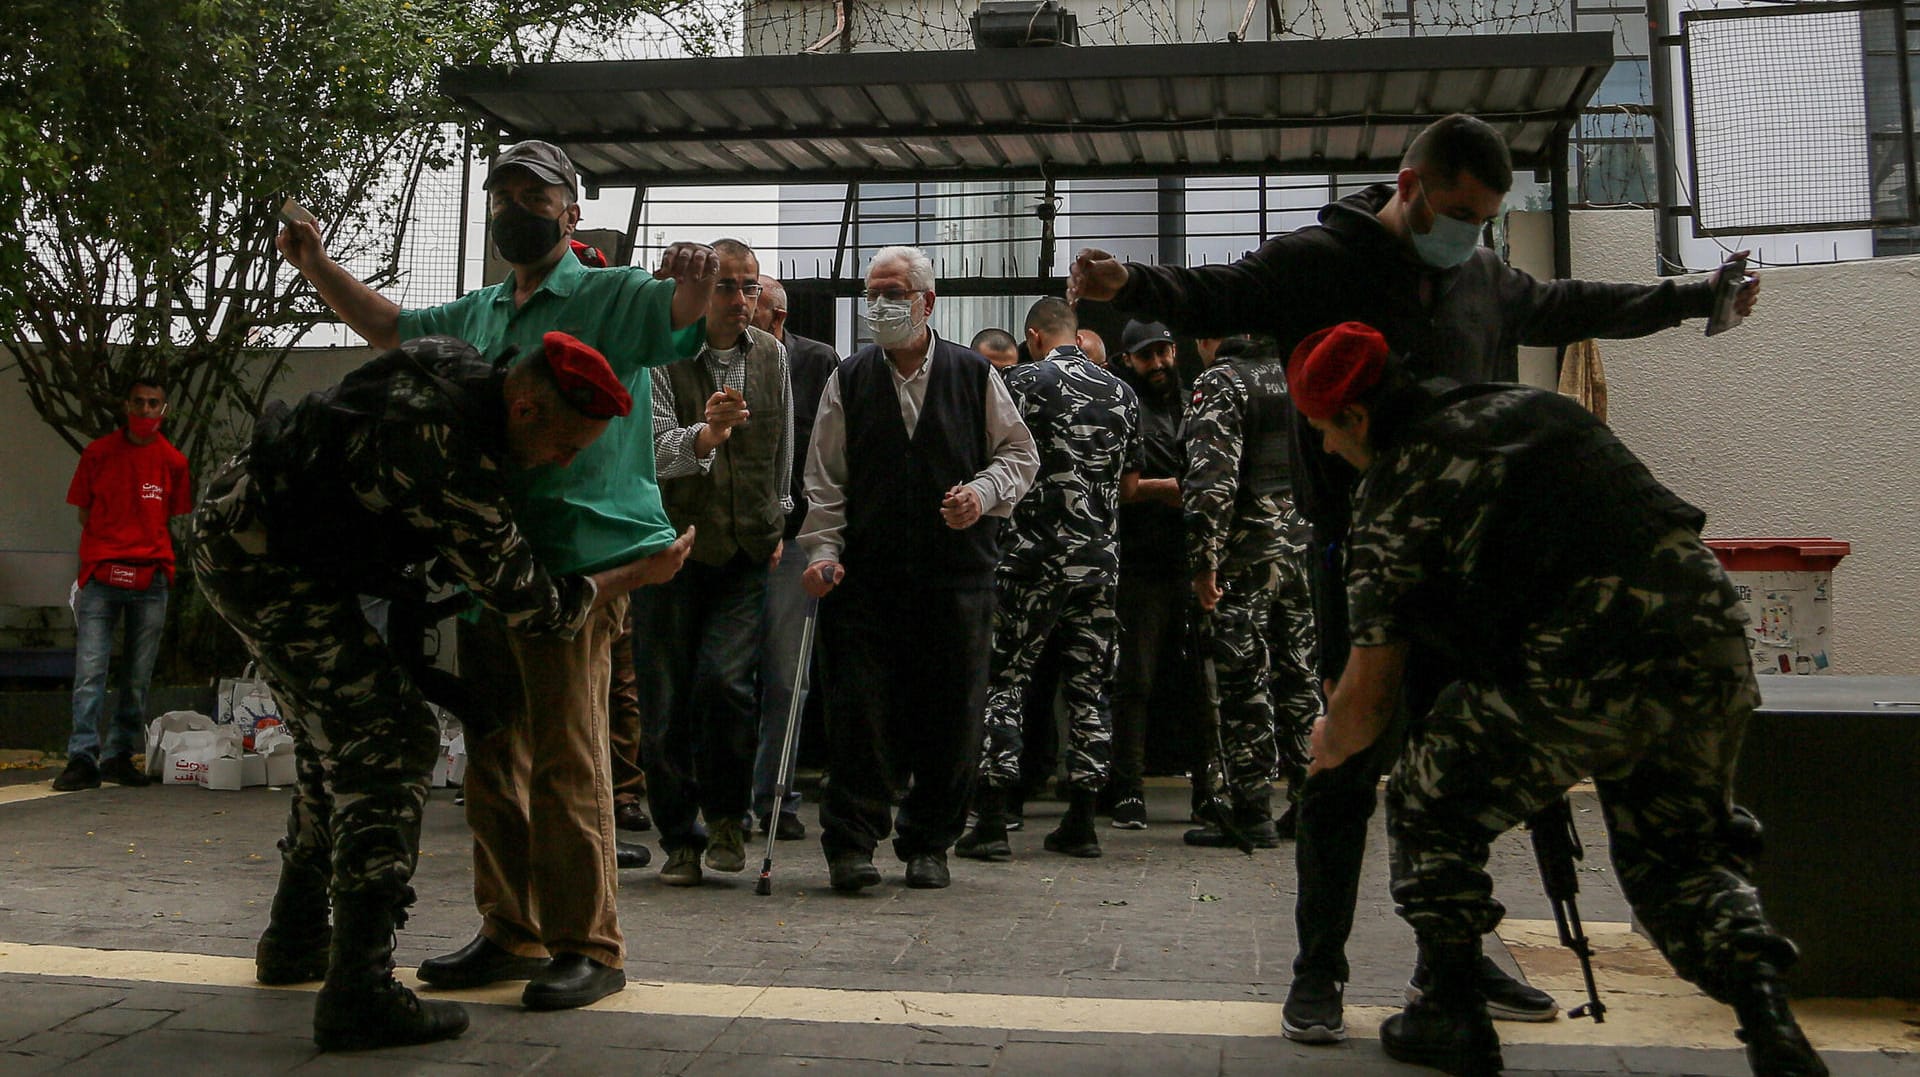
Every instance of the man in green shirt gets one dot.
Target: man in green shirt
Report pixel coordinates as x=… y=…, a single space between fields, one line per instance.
x=538 y=797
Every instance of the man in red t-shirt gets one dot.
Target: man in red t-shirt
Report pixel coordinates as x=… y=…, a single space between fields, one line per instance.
x=128 y=485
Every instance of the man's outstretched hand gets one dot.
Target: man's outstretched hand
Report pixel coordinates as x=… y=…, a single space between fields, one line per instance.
x=301 y=245
x=1095 y=274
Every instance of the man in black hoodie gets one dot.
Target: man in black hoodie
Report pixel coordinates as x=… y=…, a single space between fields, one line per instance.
x=1406 y=258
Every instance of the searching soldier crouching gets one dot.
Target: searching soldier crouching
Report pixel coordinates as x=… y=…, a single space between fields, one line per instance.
x=403 y=462
x=1605 y=641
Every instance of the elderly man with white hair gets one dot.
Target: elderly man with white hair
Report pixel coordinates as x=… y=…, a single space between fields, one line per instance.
x=916 y=443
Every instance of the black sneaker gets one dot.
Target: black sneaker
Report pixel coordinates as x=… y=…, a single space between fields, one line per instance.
x=1507 y=998
x=787 y=827
x=1130 y=813
x=81 y=773
x=1313 y=1013
x=120 y=770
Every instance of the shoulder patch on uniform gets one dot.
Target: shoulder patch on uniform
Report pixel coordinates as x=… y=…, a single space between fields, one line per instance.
x=1197 y=396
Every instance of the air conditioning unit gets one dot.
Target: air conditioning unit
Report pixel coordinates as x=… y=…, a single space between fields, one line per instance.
x=1015 y=24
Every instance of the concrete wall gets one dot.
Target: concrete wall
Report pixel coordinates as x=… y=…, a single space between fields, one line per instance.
x=1801 y=422
x=39 y=531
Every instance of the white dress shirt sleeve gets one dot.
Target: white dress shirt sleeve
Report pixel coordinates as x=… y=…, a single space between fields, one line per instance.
x=826 y=478
x=783 y=460
x=1015 y=461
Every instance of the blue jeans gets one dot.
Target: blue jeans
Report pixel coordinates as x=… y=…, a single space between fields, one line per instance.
x=779 y=661
x=94 y=612
x=695 y=638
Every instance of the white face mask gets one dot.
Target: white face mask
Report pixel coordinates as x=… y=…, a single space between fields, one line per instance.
x=894 y=322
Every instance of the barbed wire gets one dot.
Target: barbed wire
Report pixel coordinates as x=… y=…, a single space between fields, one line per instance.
x=784 y=27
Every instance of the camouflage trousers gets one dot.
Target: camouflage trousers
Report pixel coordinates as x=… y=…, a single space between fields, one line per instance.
x=1026 y=614
x=365 y=741
x=1262 y=647
x=1659 y=735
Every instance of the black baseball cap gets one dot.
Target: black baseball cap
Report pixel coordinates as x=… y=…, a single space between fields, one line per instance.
x=543 y=159
x=1141 y=335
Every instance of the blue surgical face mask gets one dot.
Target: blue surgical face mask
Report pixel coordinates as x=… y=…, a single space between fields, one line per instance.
x=1450 y=241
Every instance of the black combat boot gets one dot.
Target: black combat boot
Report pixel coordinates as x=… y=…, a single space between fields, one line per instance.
x=1075 y=835
x=361 y=1006
x=988 y=838
x=294 y=948
x=1252 y=820
x=1775 y=1045
x=1448 y=1028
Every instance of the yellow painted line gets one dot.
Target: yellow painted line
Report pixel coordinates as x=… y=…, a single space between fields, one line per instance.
x=1648 y=1005
x=14 y=794
x=1639 y=1015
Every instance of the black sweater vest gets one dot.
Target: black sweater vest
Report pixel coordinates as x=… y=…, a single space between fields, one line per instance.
x=895 y=535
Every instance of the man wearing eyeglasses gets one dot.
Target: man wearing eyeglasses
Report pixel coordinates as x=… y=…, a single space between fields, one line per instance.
x=723 y=442
x=917 y=442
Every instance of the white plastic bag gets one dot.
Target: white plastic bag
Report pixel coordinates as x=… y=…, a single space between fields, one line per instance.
x=190 y=754
x=276 y=744
x=246 y=703
x=157 y=730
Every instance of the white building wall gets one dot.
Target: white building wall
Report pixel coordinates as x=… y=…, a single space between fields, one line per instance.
x=39 y=531
x=1798 y=423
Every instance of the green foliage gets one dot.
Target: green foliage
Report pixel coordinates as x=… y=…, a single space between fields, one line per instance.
x=145 y=146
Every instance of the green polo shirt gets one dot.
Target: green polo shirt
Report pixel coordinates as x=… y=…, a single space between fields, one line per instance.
x=604 y=508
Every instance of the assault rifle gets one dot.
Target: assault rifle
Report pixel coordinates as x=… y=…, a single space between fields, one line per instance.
x=1556 y=847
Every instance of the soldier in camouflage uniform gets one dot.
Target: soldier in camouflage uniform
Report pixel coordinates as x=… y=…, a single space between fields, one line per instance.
x=1247 y=549
x=1057 y=574
x=1591 y=633
x=352 y=492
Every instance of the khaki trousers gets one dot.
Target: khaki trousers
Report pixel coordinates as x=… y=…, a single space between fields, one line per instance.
x=540 y=790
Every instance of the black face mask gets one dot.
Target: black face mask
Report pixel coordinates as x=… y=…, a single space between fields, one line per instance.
x=521 y=237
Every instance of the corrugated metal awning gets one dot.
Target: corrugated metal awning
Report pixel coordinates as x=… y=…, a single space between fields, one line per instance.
x=1121 y=110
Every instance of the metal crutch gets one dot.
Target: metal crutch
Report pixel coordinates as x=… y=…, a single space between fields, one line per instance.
x=802 y=684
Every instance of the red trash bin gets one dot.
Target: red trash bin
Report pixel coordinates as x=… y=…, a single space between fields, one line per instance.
x=1787 y=585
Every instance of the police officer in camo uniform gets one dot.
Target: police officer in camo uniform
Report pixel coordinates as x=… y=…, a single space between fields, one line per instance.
x=1247 y=548
x=1057 y=574
x=1590 y=632
x=351 y=492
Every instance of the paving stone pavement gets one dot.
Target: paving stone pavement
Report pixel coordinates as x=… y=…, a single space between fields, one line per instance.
x=1200 y=940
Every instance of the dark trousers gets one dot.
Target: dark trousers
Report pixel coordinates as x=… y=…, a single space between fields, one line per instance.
x=623 y=721
x=1152 y=611
x=1335 y=806
x=904 y=670
x=696 y=646
x=1040 y=721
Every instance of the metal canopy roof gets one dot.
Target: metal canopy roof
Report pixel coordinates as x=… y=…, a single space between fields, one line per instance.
x=1121 y=110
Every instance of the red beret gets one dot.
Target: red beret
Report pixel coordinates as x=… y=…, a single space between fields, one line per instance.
x=1334 y=367
x=585 y=378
